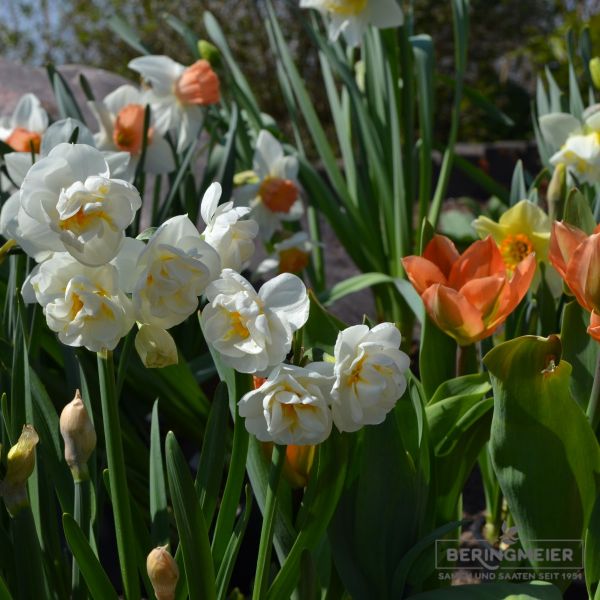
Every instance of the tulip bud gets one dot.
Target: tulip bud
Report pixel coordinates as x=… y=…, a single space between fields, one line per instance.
x=79 y=435
x=156 y=347
x=20 y=463
x=163 y=573
x=556 y=192
x=298 y=463
x=595 y=71
x=209 y=52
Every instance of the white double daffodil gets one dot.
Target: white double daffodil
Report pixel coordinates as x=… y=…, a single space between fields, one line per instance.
x=253 y=331
x=226 y=230
x=84 y=305
x=352 y=17
x=171 y=272
x=69 y=195
x=369 y=375
x=23 y=130
x=291 y=406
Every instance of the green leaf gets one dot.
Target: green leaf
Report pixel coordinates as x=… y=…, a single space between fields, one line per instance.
x=437 y=357
x=543 y=450
x=191 y=526
x=322 y=328
x=187 y=35
x=319 y=503
x=580 y=350
x=212 y=457
x=454 y=408
x=536 y=590
x=158 y=494
x=65 y=100
x=592 y=553
x=127 y=33
x=233 y=548
x=578 y=212
x=352 y=285
x=96 y=579
x=227 y=167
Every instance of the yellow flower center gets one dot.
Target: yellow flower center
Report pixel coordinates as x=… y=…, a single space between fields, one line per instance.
x=237 y=327
x=347 y=8
x=514 y=248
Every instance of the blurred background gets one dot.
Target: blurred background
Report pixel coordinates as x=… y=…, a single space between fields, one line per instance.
x=510 y=42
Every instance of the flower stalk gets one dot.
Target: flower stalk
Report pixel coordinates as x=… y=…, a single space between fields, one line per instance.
x=261 y=582
x=593 y=409
x=116 y=471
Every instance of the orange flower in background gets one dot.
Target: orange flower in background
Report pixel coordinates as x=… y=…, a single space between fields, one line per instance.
x=298 y=463
x=23 y=140
x=468 y=296
x=198 y=84
x=576 y=256
x=128 y=134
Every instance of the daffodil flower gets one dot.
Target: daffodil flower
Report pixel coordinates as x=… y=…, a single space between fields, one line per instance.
x=274 y=196
x=84 y=305
x=177 y=94
x=521 y=230
x=291 y=406
x=291 y=255
x=227 y=231
x=24 y=129
x=352 y=17
x=369 y=375
x=120 y=117
x=253 y=330
x=80 y=207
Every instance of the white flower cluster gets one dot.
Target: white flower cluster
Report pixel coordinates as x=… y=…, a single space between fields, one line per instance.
x=71 y=213
x=299 y=405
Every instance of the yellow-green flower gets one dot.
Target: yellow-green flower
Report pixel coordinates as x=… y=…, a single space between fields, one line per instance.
x=520 y=230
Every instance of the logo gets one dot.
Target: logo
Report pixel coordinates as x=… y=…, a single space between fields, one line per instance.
x=509 y=560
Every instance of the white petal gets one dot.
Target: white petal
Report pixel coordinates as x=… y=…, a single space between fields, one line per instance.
x=17 y=165
x=286 y=295
x=268 y=152
x=385 y=14
x=161 y=71
x=210 y=201
x=121 y=97
x=159 y=156
x=61 y=132
x=29 y=114
x=557 y=127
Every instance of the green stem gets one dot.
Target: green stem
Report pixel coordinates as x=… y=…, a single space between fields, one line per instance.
x=593 y=409
x=117 y=477
x=261 y=582
x=467 y=360
x=78 y=510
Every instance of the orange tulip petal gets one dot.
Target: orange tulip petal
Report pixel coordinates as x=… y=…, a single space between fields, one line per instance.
x=480 y=259
x=594 y=327
x=442 y=252
x=516 y=290
x=422 y=273
x=563 y=241
x=484 y=293
x=583 y=273
x=453 y=314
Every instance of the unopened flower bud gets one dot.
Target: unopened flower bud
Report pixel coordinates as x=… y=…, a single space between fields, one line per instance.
x=209 y=52
x=20 y=463
x=298 y=463
x=556 y=192
x=163 y=573
x=595 y=71
x=155 y=347
x=79 y=435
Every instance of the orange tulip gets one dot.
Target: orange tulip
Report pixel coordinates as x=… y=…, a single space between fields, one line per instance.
x=470 y=295
x=576 y=256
